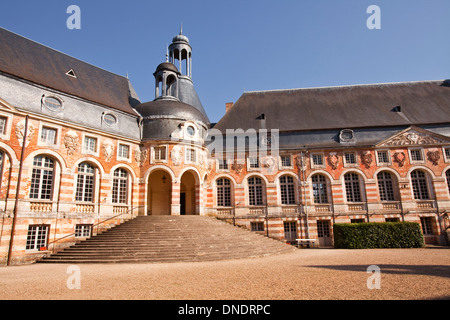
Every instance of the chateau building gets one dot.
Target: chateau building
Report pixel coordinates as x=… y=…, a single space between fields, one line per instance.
x=79 y=153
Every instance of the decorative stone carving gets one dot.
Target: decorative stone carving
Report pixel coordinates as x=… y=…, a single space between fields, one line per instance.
x=268 y=163
x=412 y=137
x=210 y=165
x=434 y=157
x=366 y=159
x=202 y=158
x=176 y=155
x=140 y=155
x=20 y=131
x=333 y=161
x=237 y=166
x=108 y=150
x=71 y=142
x=400 y=158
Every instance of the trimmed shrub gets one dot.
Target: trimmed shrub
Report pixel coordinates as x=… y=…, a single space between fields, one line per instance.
x=378 y=235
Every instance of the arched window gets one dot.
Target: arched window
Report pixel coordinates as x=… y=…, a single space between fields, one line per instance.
x=447 y=174
x=287 y=188
x=42 y=178
x=255 y=191
x=420 y=185
x=2 y=160
x=352 y=187
x=85 y=183
x=120 y=186
x=319 y=185
x=385 y=186
x=223 y=192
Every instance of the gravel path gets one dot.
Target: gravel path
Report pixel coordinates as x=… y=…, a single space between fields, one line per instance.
x=304 y=274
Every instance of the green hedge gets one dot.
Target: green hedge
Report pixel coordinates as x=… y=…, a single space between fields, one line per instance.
x=378 y=235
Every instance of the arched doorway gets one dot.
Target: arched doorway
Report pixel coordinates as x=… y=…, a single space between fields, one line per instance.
x=159 y=193
x=188 y=192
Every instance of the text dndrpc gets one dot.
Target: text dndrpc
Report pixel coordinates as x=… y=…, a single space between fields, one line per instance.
x=239 y=309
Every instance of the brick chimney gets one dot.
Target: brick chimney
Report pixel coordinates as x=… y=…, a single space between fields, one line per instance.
x=228 y=106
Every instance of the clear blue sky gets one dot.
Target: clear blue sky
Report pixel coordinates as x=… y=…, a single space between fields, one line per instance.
x=247 y=45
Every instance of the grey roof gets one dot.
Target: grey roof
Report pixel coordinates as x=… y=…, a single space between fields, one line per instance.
x=167 y=108
x=187 y=94
x=37 y=63
x=357 y=106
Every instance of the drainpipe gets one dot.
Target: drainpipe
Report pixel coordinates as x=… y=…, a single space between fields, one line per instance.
x=11 y=241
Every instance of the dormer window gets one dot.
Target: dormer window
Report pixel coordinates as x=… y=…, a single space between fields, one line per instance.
x=71 y=73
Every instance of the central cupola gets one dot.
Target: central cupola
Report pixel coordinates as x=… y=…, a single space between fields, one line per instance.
x=181 y=50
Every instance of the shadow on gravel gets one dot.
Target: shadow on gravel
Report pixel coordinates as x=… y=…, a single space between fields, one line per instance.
x=426 y=270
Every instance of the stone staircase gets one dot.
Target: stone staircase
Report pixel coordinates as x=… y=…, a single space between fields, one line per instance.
x=170 y=239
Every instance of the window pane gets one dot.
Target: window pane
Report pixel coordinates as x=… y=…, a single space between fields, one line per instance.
x=352 y=187
x=42 y=178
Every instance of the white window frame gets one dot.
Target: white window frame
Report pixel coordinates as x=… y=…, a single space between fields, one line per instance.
x=119 y=156
x=42 y=127
x=33 y=237
x=7 y=130
x=117 y=193
x=97 y=146
x=446 y=158
x=249 y=165
x=379 y=162
x=187 y=155
x=422 y=154
x=313 y=165
x=281 y=166
x=349 y=164
x=228 y=163
x=83 y=230
x=153 y=151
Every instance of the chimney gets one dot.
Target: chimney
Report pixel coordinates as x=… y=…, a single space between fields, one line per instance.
x=228 y=106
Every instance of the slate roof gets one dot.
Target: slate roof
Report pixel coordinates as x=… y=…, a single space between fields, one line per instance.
x=37 y=63
x=357 y=106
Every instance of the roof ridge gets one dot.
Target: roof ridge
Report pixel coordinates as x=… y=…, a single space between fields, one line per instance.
x=347 y=86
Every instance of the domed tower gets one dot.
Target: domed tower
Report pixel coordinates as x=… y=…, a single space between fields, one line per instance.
x=174 y=127
x=180 y=55
x=181 y=50
x=166 y=79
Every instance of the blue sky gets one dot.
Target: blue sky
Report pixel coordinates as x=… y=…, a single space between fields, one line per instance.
x=247 y=45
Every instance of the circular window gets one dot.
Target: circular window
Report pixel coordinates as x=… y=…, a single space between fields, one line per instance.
x=52 y=103
x=190 y=131
x=110 y=119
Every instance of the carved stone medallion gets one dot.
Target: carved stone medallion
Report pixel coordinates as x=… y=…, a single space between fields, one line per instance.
x=71 y=142
x=176 y=155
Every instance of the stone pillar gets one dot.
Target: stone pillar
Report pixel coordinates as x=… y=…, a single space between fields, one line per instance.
x=175 y=203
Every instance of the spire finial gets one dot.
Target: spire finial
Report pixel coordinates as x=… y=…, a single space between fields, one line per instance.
x=181 y=28
x=167 y=53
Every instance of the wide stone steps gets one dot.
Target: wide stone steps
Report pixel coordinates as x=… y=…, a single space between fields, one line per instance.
x=170 y=239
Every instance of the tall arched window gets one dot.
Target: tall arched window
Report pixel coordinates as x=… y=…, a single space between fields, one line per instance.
x=2 y=160
x=255 y=191
x=120 y=186
x=42 y=178
x=319 y=185
x=420 y=185
x=287 y=188
x=352 y=187
x=385 y=186
x=447 y=174
x=223 y=192
x=85 y=183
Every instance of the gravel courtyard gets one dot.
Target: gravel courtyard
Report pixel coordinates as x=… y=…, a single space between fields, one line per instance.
x=305 y=274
